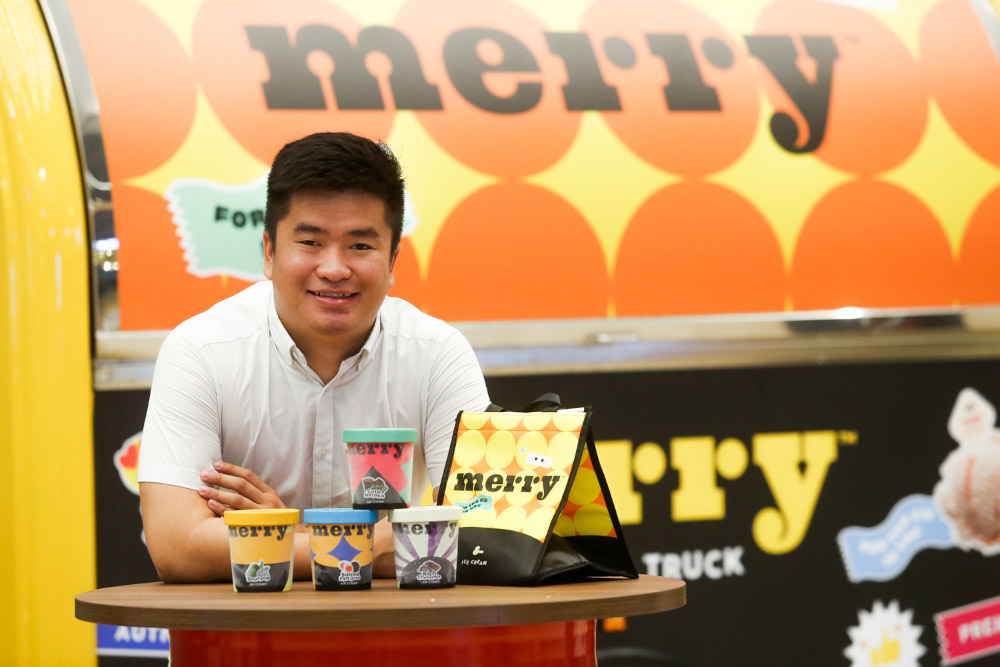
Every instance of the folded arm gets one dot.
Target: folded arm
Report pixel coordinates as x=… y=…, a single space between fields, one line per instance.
x=185 y=534
x=188 y=540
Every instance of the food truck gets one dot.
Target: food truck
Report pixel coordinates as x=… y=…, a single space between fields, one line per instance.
x=758 y=238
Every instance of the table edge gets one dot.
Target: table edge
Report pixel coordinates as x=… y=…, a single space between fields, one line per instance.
x=508 y=611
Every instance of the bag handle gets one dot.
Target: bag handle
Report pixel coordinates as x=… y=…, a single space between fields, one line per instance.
x=548 y=402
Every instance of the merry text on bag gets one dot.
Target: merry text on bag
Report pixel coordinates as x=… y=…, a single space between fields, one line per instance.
x=469 y=481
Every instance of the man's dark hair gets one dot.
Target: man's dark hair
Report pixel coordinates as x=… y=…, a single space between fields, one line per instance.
x=338 y=162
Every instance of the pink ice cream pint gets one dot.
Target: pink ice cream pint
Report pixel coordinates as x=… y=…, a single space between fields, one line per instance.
x=426 y=546
x=381 y=461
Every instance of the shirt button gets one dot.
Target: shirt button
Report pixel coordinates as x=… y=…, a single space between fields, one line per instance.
x=322 y=455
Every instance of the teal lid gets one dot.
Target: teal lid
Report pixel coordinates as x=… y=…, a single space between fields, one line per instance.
x=380 y=435
x=339 y=515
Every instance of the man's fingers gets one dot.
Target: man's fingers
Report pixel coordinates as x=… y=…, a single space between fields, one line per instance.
x=217 y=507
x=237 y=484
x=243 y=473
x=225 y=500
x=239 y=488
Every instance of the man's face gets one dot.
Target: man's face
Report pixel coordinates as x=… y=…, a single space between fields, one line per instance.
x=331 y=266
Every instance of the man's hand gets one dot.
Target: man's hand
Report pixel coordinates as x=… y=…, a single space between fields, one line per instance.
x=240 y=489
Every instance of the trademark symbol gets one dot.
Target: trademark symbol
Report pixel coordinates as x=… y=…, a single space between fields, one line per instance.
x=847 y=437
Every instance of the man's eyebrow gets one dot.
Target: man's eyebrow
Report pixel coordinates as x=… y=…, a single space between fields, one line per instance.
x=364 y=233
x=358 y=232
x=306 y=228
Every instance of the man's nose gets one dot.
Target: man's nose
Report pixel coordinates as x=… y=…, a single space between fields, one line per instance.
x=333 y=266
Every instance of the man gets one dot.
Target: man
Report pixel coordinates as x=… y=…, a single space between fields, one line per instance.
x=250 y=398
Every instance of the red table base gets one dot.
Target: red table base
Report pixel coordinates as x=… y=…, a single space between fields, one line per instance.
x=551 y=644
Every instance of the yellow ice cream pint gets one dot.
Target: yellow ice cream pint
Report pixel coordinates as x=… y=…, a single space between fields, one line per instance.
x=262 y=548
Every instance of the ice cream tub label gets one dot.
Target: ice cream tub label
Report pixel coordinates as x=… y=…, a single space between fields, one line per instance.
x=261 y=548
x=425 y=540
x=381 y=461
x=341 y=542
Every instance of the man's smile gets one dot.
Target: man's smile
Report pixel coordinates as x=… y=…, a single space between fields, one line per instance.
x=333 y=295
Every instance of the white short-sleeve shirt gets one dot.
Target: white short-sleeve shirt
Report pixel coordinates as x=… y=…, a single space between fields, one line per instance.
x=231 y=385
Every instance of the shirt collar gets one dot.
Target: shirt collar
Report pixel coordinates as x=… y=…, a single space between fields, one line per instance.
x=365 y=353
x=291 y=353
x=279 y=336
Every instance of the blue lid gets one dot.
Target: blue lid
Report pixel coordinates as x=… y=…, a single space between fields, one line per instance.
x=380 y=435
x=339 y=515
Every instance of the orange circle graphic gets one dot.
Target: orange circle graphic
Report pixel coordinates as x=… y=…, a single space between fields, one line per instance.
x=527 y=136
x=247 y=51
x=144 y=266
x=516 y=251
x=878 y=95
x=698 y=248
x=872 y=245
x=144 y=81
x=978 y=269
x=964 y=75
x=680 y=139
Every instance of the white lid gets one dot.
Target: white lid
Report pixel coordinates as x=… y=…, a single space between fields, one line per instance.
x=424 y=513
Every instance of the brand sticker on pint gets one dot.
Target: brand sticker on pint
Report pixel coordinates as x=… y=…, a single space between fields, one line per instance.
x=350 y=572
x=375 y=488
x=258 y=573
x=429 y=571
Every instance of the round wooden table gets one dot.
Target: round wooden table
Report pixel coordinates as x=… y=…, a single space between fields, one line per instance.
x=210 y=624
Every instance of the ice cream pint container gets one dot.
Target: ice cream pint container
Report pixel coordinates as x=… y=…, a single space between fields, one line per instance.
x=425 y=540
x=381 y=461
x=342 y=547
x=261 y=548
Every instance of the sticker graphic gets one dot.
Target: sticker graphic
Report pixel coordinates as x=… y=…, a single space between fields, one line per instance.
x=969 y=632
x=884 y=636
x=538 y=460
x=122 y=640
x=964 y=510
x=127 y=462
x=220 y=226
x=969 y=491
x=883 y=552
x=484 y=503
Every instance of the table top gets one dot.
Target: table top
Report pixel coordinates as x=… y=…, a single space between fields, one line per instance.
x=218 y=607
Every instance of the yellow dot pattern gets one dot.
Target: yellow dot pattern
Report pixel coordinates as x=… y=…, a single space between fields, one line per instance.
x=510 y=453
x=586 y=509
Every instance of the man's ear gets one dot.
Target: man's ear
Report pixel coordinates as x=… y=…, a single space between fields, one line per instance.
x=392 y=267
x=268 y=255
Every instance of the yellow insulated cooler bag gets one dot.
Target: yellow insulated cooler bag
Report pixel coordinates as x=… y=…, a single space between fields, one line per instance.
x=536 y=506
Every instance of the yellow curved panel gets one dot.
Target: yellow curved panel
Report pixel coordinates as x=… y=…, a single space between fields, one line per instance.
x=46 y=400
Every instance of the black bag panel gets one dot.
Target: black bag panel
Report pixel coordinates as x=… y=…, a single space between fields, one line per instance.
x=620 y=548
x=496 y=557
x=606 y=556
